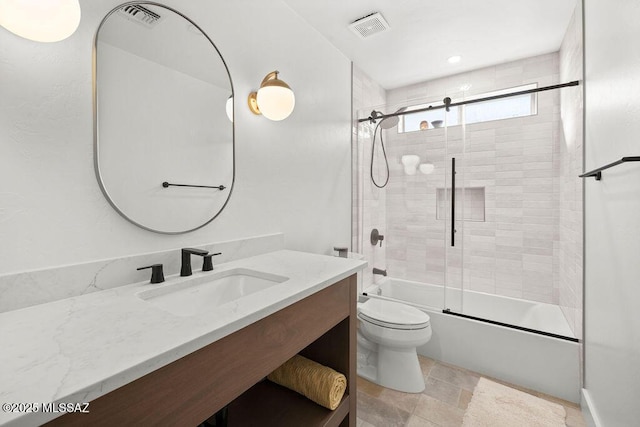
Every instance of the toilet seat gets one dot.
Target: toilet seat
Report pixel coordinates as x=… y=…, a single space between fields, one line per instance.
x=393 y=315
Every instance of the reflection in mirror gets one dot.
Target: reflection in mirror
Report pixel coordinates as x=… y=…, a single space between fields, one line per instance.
x=161 y=92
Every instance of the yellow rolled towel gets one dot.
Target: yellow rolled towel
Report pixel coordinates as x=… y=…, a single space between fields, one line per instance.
x=316 y=382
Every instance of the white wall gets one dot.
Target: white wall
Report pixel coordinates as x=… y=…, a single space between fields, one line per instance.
x=612 y=212
x=291 y=176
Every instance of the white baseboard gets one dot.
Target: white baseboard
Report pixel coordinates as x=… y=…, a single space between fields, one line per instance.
x=588 y=410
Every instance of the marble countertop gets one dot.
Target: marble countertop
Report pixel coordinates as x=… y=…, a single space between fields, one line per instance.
x=80 y=348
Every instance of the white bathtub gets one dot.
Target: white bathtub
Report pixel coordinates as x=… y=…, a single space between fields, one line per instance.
x=526 y=314
x=542 y=363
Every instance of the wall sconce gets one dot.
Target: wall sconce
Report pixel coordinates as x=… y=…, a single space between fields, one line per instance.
x=426 y=168
x=229 y=108
x=410 y=162
x=41 y=21
x=274 y=100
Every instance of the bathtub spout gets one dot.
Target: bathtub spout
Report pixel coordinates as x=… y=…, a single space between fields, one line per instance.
x=380 y=272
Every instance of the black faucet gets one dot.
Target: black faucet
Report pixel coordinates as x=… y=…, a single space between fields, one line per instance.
x=207 y=262
x=379 y=271
x=185 y=269
x=157 y=276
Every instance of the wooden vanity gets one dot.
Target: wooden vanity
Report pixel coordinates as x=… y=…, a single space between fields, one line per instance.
x=230 y=371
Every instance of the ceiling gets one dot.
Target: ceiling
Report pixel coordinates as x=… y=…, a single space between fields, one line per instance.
x=425 y=33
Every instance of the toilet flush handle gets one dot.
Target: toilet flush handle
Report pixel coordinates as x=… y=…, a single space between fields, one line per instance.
x=376 y=237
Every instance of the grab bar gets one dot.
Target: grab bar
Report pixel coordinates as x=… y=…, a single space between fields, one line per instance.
x=219 y=187
x=597 y=173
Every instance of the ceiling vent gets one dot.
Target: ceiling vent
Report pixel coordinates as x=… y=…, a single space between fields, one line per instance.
x=369 y=25
x=140 y=15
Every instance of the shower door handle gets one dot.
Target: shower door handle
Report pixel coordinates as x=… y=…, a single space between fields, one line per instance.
x=453 y=201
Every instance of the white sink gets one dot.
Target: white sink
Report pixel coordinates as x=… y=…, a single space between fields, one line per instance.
x=202 y=294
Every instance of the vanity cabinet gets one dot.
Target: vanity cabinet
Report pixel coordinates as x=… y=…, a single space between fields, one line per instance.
x=231 y=371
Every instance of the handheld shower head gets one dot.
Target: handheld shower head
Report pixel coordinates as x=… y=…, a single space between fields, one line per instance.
x=388 y=122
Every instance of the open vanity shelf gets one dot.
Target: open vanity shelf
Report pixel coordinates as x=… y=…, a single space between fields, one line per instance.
x=231 y=371
x=269 y=405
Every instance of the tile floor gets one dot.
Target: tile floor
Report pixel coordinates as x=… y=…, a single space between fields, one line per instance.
x=443 y=403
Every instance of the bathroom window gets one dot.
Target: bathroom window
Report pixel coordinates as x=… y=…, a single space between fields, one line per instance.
x=496 y=109
x=435 y=118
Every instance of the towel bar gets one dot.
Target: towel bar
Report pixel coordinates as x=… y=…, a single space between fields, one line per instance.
x=597 y=173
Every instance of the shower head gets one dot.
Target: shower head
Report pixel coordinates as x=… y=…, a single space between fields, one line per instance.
x=388 y=122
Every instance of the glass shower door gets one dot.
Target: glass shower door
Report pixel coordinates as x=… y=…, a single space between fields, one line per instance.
x=404 y=209
x=451 y=210
x=507 y=213
x=470 y=208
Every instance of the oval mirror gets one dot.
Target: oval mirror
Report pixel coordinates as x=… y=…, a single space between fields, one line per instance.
x=164 y=141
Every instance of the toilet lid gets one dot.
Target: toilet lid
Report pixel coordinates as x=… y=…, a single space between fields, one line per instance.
x=393 y=314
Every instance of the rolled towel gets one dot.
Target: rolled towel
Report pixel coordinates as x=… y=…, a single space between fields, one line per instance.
x=316 y=382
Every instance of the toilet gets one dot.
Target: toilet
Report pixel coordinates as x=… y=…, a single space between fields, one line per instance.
x=388 y=334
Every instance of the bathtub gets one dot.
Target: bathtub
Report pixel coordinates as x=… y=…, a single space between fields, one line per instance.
x=543 y=363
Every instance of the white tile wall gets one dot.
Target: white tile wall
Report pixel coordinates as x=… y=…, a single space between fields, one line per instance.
x=511 y=252
x=529 y=203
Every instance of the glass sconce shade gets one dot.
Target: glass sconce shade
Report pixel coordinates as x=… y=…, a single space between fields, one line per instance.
x=276 y=103
x=40 y=20
x=229 y=108
x=275 y=100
